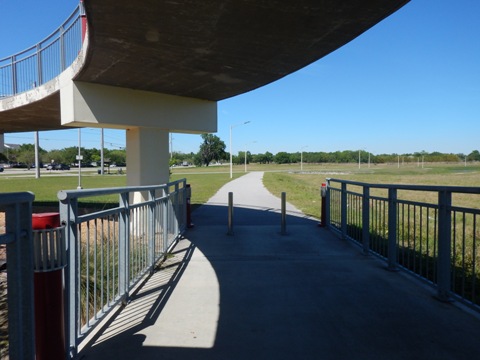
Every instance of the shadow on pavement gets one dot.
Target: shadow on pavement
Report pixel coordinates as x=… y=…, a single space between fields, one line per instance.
x=304 y=295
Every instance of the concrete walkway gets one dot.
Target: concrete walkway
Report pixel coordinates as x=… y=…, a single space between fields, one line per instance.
x=262 y=295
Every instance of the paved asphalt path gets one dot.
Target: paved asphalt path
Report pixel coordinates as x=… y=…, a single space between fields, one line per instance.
x=261 y=294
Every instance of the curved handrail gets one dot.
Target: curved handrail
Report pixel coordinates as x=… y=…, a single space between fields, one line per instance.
x=44 y=61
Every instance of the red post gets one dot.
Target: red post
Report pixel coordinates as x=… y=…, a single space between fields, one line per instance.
x=189 y=209
x=323 y=218
x=49 y=295
x=83 y=17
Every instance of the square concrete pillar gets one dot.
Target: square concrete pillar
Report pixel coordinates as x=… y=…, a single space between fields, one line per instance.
x=147 y=156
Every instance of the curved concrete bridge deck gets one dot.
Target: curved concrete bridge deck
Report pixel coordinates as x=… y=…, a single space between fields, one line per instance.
x=263 y=295
x=155 y=67
x=209 y=50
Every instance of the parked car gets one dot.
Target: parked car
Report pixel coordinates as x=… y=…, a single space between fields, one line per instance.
x=20 y=166
x=1 y=167
x=62 y=167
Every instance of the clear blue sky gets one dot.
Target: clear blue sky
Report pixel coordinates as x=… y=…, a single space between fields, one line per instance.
x=409 y=84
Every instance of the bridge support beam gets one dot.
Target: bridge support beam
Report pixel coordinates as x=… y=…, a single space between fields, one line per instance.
x=148 y=118
x=94 y=105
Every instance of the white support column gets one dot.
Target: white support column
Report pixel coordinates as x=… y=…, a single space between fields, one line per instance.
x=2 y=143
x=147 y=157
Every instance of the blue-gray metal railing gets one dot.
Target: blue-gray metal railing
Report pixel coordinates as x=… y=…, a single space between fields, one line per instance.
x=44 y=61
x=436 y=240
x=18 y=237
x=110 y=251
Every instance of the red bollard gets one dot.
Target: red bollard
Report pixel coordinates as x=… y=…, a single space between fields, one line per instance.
x=84 y=20
x=189 y=209
x=323 y=193
x=49 y=261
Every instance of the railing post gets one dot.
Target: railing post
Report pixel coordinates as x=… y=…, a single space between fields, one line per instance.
x=39 y=65
x=323 y=192
x=177 y=210
x=366 y=220
x=123 y=247
x=392 y=229
x=151 y=229
x=20 y=280
x=187 y=193
x=344 y=211
x=165 y=205
x=62 y=49
x=68 y=213
x=327 y=205
x=230 y=213
x=444 y=245
x=284 y=217
x=14 y=75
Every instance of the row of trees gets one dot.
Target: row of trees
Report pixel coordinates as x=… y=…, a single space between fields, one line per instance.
x=25 y=154
x=212 y=149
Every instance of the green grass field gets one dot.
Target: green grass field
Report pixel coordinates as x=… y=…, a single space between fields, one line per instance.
x=302 y=187
x=46 y=188
x=204 y=185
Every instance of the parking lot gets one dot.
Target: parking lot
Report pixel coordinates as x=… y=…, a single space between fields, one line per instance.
x=73 y=171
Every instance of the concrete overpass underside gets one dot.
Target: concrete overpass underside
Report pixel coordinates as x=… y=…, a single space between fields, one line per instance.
x=216 y=49
x=154 y=67
x=210 y=49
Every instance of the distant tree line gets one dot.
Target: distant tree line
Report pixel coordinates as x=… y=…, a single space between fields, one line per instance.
x=24 y=156
x=213 y=149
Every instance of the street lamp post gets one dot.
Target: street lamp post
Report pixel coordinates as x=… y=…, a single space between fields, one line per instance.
x=231 y=162
x=37 y=157
x=79 y=159
x=102 y=145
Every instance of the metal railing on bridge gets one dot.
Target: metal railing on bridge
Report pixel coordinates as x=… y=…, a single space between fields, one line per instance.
x=18 y=238
x=44 y=61
x=110 y=251
x=433 y=238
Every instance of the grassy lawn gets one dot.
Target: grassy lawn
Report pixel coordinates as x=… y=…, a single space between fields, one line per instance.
x=46 y=188
x=302 y=187
x=204 y=185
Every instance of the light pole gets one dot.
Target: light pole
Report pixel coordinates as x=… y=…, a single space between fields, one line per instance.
x=37 y=157
x=102 y=145
x=79 y=159
x=231 y=163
